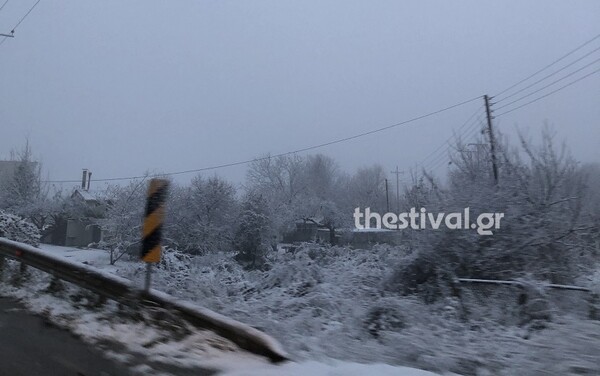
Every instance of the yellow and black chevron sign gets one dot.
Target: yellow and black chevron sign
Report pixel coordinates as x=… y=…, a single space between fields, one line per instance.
x=153 y=220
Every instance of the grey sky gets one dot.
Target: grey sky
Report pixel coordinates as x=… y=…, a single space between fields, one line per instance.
x=121 y=87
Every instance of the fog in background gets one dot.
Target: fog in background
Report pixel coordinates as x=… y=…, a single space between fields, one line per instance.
x=122 y=88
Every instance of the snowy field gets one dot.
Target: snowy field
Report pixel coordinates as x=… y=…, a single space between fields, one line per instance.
x=167 y=348
x=327 y=303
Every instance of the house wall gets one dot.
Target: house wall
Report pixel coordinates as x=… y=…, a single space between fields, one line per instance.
x=81 y=233
x=304 y=232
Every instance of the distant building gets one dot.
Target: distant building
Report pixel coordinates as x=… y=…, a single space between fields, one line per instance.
x=310 y=230
x=81 y=231
x=305 y=231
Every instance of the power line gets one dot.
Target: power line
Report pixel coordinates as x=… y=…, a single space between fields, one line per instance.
x=548 y=85
x=397 y=124
x=443 y=154
x=3 y=5
x=548 y=76
x=25 y=16
x=3 y=36
x=318 y=146
x=439 y=151
x=449 y=138
x=550 y=93
x=549 y=65
x=443 y=157
x=440 y=157
x=20 y=21
x=475 y=129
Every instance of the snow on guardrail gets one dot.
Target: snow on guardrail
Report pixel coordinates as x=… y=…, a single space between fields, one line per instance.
x=122 y=290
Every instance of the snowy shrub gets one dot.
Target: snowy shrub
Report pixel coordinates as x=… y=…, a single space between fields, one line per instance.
x=174 y=261
x=593 y=283
x=17 y=229
x=122 y=222
x=534 y=303
x=385 y=315
x=287 y=275
x=422 y=274
x=253 y=237
x=201 y=217
x=542 y=234
x=328 y=302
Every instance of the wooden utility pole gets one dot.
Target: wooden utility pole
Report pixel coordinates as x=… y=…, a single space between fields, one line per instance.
x=397 y=173
x=387 y=196
x=491 y=135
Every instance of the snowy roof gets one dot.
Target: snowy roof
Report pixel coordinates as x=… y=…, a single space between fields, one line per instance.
x=316 y=220
x=84 y=195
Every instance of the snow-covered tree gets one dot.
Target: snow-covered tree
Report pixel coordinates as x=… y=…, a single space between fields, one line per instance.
x=367 y=188
x=122 y=222
x=282 y=182
x=201 y=216
x=20 y=230
x=540 y=191
x=254 y=235
x=22 y=192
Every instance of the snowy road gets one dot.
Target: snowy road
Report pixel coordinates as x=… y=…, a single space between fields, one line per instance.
x=30 y=346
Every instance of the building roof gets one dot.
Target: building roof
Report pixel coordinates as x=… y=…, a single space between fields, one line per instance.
x=84 y=195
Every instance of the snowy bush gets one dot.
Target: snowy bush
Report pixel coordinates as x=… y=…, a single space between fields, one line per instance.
x=253 y=237
x=386 y=315
x=542 y=236
x=422 y=274
x=174 y=261
x=534 y=303
x=321 y=301
x=17 y=229
x=201 y=216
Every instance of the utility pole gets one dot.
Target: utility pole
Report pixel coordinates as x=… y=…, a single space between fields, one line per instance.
x=397 y=173
x=491 y=135
x=387 y=196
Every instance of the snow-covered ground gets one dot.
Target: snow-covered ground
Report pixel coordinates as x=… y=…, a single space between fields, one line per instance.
x=97 y=258
x=324 y=303
x=333 y=368
x=181 y=347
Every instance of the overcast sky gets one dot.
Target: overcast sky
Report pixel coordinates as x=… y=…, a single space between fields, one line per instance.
x=122 y=87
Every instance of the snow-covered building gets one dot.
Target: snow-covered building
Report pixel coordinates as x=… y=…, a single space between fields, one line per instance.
x=82 y=231
x=309 y=230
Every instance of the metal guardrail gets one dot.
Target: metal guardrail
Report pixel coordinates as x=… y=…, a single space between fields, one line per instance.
x=566 y=299
x=122 y=290
x=518 y=283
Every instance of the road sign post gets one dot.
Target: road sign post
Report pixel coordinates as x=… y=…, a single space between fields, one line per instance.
x=152 y=228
